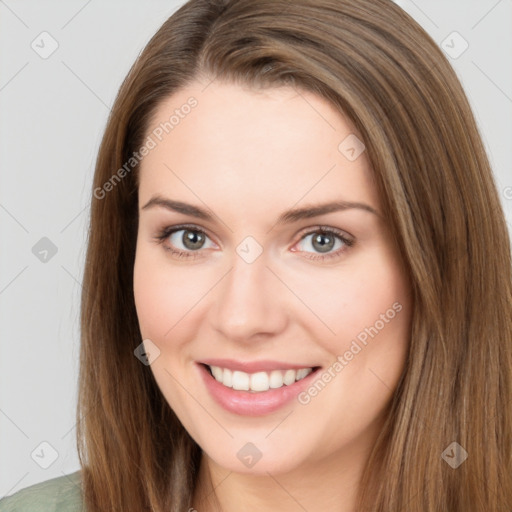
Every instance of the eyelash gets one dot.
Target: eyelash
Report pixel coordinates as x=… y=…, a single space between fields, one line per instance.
x=166 y=232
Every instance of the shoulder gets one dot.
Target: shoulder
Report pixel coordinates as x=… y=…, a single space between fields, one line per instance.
x=61 y=494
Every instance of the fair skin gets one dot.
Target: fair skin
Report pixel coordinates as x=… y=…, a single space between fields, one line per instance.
x=246 y=157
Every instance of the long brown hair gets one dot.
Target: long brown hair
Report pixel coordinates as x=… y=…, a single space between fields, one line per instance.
x=376 y=65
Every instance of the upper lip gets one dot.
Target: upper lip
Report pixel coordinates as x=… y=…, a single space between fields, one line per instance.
x=254 y=366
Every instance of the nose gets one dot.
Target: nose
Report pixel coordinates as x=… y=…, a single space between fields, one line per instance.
x=250 y=302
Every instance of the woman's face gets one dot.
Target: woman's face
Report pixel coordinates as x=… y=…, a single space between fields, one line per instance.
x=253 y=287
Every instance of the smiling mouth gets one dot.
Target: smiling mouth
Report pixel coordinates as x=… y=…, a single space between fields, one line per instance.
x=258 y=382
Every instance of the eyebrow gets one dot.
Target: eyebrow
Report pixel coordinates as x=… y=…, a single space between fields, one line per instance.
x=287 y=217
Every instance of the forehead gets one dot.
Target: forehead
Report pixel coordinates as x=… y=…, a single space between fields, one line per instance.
x=274 y=146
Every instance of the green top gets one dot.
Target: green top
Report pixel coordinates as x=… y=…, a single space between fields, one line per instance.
x=61 y=494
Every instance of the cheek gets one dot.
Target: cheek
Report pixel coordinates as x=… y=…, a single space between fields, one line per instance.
x=148 y=294
x=366 y=302
x=155 y=303
x=368 y=311
x=165 y=295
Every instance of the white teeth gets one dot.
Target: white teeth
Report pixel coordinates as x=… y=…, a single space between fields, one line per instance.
x=241 y=381
x=289 y=377
x=217 y=372
x=260 y=381
x=276 y=379
x=227 y=377
x=303 y=372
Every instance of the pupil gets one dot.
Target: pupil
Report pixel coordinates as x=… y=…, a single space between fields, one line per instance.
x=320 y=239
x=192 y=239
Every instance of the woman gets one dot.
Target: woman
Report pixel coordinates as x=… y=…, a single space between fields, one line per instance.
x=297 y=293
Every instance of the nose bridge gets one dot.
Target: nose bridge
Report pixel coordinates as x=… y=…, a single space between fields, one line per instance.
x=247 y=303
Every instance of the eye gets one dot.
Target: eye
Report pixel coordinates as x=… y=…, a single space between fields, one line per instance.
x=324 y=240
x=185 y=241
x=188 y=242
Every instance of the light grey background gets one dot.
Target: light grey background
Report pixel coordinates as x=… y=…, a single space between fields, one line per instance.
x=53 y=113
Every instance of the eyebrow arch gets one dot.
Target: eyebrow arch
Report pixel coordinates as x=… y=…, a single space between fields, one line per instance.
x=286 y=217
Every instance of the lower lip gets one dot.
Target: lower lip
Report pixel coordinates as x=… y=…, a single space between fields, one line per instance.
x=250 y=403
